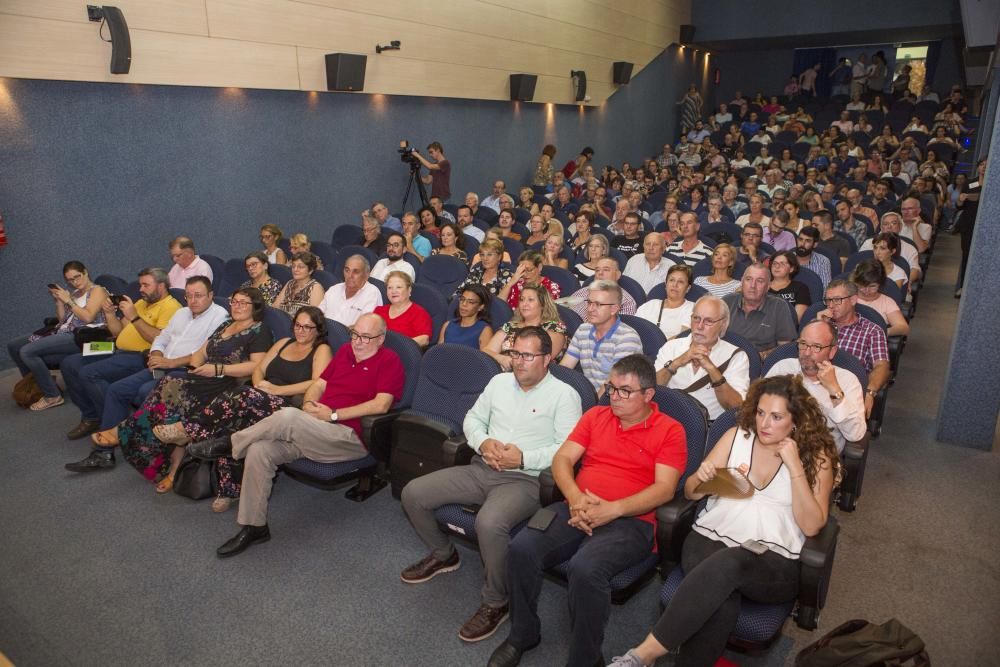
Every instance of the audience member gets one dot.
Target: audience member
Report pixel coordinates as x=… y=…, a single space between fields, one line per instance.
x=465 y=223
x=395 y=247
x=761 y=318
x=256 y=265
x=186 y=263
x=381 y=214
x=607 y=269
x=689 y=249
x=452 y=243
x=808 y=239
x=416 y=244
x=720 y=282
x=401 y=314
x=673 y=314
x=488 y=272
x=302 y=289
x=270 y=236
x=471 y=324
x=535 y=309
x=345 y=302
x=493 y=201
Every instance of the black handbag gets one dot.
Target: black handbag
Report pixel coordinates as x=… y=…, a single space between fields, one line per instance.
x=195 y=478
x=85 y=335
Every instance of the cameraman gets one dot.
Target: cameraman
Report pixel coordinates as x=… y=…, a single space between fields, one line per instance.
x=439 y=177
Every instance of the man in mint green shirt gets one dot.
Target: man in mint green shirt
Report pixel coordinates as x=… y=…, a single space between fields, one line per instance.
x=517 y=425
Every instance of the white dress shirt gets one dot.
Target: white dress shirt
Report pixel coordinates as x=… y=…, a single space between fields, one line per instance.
x=186 y=332
x=737 y=374
x=385 y=266
x=336 y=305
x=638 y=270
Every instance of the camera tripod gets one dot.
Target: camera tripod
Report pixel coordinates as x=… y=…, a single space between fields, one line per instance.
x=421 y=190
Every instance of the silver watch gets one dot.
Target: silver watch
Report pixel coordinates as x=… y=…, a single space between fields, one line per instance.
x=333 y=417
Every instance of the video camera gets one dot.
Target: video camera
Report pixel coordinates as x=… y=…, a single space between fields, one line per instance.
x=406 y=154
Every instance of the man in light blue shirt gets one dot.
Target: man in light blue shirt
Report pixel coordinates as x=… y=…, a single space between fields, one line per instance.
x=385 y=219
x=517 y=424
x=187 y=331
x=415 y=243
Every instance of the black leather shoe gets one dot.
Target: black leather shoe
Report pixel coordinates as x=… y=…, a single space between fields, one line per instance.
x=243 y=539
x=96 y=460
x=212 y=448
x=507 y=655
x=83 y=429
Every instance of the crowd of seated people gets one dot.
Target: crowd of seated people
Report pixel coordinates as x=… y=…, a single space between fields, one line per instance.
x=760 y=227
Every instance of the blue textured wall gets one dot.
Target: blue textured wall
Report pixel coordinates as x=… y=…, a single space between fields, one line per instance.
x=109 y=173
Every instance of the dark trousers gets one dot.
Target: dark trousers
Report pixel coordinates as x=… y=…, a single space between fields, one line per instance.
x=88 y=378
x=704 y=610
x=593 y=561
x=966 y=235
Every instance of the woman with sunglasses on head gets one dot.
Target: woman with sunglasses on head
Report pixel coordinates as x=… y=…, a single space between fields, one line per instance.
x=471 y=324
x=80 y=306
x=535 y=308
x=279 y=380
x=270 y=236
x=782 y=450
x=256 y=264
x=227 y=358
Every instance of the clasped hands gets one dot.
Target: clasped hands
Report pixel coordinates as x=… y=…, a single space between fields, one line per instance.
x=697 y=356
x=499 y=455
x=591 y=511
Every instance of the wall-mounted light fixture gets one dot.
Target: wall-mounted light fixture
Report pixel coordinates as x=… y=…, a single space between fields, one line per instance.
x=121 y=43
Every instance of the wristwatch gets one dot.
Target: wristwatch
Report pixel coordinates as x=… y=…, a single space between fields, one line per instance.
x=871 y=392
x=836 y=397
x=333 y=417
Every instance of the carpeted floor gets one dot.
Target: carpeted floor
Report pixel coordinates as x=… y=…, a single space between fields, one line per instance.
x=99 y=570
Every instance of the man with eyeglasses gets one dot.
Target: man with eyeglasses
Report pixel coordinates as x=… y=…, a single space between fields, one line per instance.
x=631 y=458
x=603 y=338
x=187 y=263
x=187 y=330
x=710 y=370
x=836 y=389
x=135 y=327
x=858 y=336
x=763 y=319
x=893 y=223
x=395 y=246
x=363 y=379
x=629 y=242
x=750 y=251
x=913 y=227
x=516 y=427
x=605 y=269
x=345 y=302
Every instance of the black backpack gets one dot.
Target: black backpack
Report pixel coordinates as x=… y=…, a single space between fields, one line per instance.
x=858 y=643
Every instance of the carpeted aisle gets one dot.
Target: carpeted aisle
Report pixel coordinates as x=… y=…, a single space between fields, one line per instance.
x=99 y=570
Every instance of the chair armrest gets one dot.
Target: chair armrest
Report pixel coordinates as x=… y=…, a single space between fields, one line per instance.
x=456 y=451
x=673 y=523
x=376 y=431
x=548 y=490
x=816 y=564
x=817 y=552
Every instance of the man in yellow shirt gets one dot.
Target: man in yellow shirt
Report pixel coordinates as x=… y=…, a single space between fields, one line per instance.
x=135 y=325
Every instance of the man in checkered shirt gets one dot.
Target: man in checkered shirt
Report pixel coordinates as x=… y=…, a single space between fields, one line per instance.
x=858 y=336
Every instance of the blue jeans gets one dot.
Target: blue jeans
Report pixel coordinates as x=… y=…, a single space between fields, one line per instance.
x=132 y=390
x=88 y=378
x=593 y=561
x=35 y=358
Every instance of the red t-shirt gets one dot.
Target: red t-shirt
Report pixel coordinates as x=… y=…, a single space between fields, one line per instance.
x=349 y=382
x=414 y=321
x=618 y=464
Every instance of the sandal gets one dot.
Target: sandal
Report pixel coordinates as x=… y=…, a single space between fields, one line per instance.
x=171 y=434
x=221 y=504
x=46 y=402
x=108 y=438
x=165 y=484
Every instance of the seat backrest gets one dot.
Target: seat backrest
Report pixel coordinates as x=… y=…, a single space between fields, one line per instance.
x=651 y=335
x=892 y=290
x=570 y=319
x=659 y=291
x=487 y=215
x=436 y=305
x=409 y=354
x=451 y=379
x=577 y=380
x=500 y=312
x=871 y=314
x=722 y=423
x=279 y=322
x=442 y=273
x=851 y=242
x=234 y=275
x=432 y=238
x=112 y=284
x=565 y=279
x=218 y=269
x=513 y=248
x=325 y=251
x=344 y=235
x=722 y=232
x=337 y=335
x=326 y=279
x=344 y=253
x=179 y=294
x=780 y=353
x=633 y=288
x=132 y=291
x=279 y=272
x=812 y=282
x=832 y=256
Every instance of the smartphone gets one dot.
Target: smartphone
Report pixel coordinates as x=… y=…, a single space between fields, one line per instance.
x=116 y=298
x=53 y=286
x=542 y=518
x=755 y=547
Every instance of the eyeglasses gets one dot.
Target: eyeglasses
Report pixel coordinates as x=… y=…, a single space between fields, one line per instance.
x=240 y=302
x=596 y=304
x=469 y=301
x=621 y=392
x=524 y=356
x=194 y=297
x=812 y=347
x=303 y=327
x=697 y=320
x=73 y=279
x=835 y=300
x=264 y=237
x=355 y=337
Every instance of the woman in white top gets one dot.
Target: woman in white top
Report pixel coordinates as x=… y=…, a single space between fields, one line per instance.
x=783 y=446
x=885 y=246
x=673 y=314
x=270 y=235
x=721 y=282
x=869 y=275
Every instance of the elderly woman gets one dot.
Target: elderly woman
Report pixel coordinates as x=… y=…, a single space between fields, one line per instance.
x=471 y=324
x=885 y=246
x=488 y=272
x=528 y=272
x=538 y=230
x=279 y=380
x=756 y=213
x=869 y=275
x=401 y=314
x=783 y=448
x=452 y=242
x=552 y=252
x=597 y=247
x=80 y=306
x=673 y=314
x=256 y=264
x=784 y=267
x=496 y=234
x=721 y=282
x=228 y=356
x=536 y=308
x=302 y=289
x=270 y=236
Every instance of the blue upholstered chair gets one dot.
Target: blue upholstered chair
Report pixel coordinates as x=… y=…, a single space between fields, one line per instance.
x=344 y=235
x=279 y=322
x=218 y=266
x=651 y=335
x=442 y=273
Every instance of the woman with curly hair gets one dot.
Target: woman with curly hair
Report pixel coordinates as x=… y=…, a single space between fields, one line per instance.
x=783 y=447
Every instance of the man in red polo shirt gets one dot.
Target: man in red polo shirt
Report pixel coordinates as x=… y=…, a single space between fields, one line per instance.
x=363 y=379
x=632 y=458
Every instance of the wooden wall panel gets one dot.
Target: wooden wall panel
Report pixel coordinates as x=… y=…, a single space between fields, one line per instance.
x=451 y=48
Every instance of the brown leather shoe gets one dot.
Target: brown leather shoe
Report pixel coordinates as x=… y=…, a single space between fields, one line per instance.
x=483 y=623
x=428 y=568
x=83 y=429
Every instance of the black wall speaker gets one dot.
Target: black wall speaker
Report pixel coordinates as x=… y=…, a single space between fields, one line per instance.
x=345 y=71
x=687 y=34
x=522 y=87
x=622 y=73
x=121 y=43
x=579 y=84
